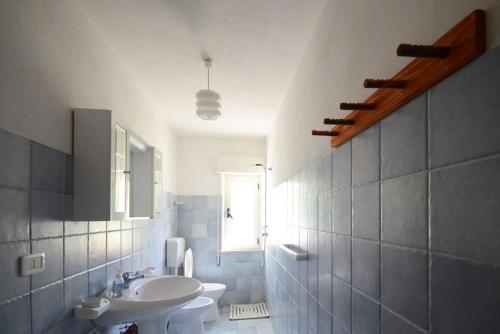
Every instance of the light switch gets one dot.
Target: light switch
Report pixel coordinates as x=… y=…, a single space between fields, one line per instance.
x=32 y=264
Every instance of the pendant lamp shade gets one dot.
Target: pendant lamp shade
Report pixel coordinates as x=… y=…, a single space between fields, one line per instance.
x=207 y=100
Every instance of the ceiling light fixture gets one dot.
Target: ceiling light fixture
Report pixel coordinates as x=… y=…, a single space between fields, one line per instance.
x=207 y=100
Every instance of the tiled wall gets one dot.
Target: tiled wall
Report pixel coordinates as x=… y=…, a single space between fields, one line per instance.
x=241 y=272
x=401 y=224
x=81 y=257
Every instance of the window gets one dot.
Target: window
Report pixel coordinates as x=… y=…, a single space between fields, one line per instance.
x=241 y=212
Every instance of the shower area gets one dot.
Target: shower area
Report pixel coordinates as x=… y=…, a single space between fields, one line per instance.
x=222 y=216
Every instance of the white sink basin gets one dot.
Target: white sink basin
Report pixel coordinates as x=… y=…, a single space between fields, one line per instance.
x=149 y=301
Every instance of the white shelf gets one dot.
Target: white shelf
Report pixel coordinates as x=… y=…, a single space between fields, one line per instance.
x=294 y=252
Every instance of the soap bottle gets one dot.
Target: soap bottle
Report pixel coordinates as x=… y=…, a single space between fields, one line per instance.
x=117 y=288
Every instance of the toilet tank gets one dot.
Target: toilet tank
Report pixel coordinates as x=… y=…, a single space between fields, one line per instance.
x=175 y=252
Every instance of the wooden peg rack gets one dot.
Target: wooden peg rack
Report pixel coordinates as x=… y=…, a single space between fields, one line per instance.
x=463 y=43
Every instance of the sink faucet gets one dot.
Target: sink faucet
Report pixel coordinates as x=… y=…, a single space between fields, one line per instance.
x=127 y=279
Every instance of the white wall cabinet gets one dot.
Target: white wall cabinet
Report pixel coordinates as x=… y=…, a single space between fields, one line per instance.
x=115 y=173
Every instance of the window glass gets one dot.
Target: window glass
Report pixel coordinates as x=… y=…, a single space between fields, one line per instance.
x=241 y=215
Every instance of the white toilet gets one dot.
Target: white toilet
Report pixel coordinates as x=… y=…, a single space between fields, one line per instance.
x=175 y=256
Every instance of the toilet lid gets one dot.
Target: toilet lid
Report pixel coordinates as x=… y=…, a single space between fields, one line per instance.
x=188 y=263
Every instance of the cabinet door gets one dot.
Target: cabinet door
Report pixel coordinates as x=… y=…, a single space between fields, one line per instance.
x=120 y=170
x=157 y=181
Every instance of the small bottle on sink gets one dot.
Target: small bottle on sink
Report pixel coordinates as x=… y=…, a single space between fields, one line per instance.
x=117 y=287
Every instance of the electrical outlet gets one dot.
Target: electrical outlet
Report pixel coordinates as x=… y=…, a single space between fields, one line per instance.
x=32 y=264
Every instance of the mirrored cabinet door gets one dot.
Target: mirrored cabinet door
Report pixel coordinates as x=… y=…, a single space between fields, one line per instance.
x=157 y=181
x=120 y=170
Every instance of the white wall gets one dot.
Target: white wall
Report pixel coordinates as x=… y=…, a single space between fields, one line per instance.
x=51 y=60
x=355 y=40
x=197 y=158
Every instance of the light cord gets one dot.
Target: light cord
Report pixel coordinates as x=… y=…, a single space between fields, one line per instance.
x=208 y=77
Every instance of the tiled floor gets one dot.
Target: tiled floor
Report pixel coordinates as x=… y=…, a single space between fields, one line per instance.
x=226 y=326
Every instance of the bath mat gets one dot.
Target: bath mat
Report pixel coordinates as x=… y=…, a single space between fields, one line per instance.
x=248 y=311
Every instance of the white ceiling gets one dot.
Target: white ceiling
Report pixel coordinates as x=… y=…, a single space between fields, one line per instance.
x=256 y=46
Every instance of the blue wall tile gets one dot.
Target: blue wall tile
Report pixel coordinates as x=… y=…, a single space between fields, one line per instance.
x=393 y=324
x=405 y=283
x=47 y=308
x=75 y=289
x=46 y=215
x=75 y=254
x=312 y=313
x=325 y=212
x=341 y=304
x=54 y=261
x=366 y=267
x=16 y=316
x=324 y=321
x=365 y=315
x=465 y=296
x=113 y=245
x=312 y=212
x=465 y=210
x=97 y=226
x=325 y=251
x=78 y=227
x=97 y=281
x=341 y=253
x=126 y=242
x=366 y=211
x=366 y=156
x=341 y=167
x=404 y=139
x=404 y=210
x=11 y=283
x=325 y=289
x=97 y=249
x=467 y=102
x=14 y=214
x=342 y=211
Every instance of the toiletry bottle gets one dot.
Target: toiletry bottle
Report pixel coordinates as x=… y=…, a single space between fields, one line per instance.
x=117 y=288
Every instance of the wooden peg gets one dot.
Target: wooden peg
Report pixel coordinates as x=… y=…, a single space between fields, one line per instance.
x=325 y=133
x=381 y=83
x=336 y=121
x=428 y=51
x=357 y=106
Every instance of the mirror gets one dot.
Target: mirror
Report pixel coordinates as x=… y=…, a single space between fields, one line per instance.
x=145 y=178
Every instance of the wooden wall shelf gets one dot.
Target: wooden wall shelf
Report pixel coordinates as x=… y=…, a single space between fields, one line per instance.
x=463 y=43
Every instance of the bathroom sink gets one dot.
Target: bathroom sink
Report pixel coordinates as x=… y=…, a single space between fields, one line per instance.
x=148 y=301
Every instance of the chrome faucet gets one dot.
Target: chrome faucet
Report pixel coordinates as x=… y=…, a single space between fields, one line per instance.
x=127 y=279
